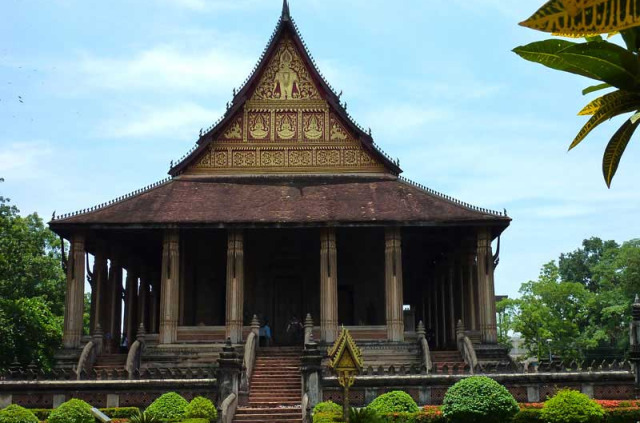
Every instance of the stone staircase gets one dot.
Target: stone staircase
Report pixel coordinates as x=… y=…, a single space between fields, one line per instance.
x=110 y=362
x=446 y=358
x=275 y=391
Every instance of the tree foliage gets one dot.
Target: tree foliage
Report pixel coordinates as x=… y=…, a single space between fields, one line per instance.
x=31 y=289
x=612 y=65
x=581 y=304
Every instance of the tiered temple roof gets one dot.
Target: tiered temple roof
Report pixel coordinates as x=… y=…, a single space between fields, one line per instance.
x=286 y=152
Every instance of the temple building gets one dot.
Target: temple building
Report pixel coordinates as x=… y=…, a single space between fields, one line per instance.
x=284 y=208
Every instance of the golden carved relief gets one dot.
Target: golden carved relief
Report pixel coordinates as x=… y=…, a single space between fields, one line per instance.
x=272 y=158
x=286 y=125
x=337 y=131
x=313 y=126
x=351 y=157
x=234 y=131
x=204 y=161
x=244 y=158
x=259 y=125
x=286 y=77
x=300 y=158
x=220 y=158
x=328 y=157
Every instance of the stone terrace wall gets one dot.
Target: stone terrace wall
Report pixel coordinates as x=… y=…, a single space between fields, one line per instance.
x=525 y=387
x=101 y=393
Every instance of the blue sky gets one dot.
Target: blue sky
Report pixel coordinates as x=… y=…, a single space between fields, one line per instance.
x=113 y=91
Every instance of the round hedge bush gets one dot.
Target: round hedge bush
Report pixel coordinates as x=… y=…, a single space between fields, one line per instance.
x=327 y=407
x=393 y=402
x=569 y=406
x=168 y=407
x=201 y=408
x=479 y=399
x=72 y=411
x=16 y=414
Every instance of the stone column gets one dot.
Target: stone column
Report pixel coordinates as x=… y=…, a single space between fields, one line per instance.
x=154 y=306
x=472 y=290
x=328 y=285
x=452 y=305
x=74 y=300
x=443 y=310
x=486 y=288
x=435 y=299
x=143 y=301
x=100 y=275
x=115 y=305
x=169 y=289
x=131 y=300
x=235 y=285
x=393 y=284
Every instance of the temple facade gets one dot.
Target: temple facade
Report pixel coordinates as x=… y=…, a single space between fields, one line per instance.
x=284 y=208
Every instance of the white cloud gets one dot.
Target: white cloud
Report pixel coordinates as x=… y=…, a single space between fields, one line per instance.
x=176 y=120
x=24 y=160
x=167 y=67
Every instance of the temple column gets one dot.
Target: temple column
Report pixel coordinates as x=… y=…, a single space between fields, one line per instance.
x=462 y=298
x=169 y=289
x=154 y=305
x=131 y=299
x=393 y=283
x=100 y=275
x=235 y=285
x=435 y=299
x=115 y=305
x=442 y=309
x=143 y=300
x=328 y=285
x=472 y=291
x=74 y=300
x=452 y=304
x=486 y=288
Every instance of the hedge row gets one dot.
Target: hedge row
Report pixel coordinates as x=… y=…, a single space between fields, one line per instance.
x=621 y=415
x=113 y=412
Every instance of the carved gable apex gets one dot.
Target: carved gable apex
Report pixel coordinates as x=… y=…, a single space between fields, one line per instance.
x=285 y=119
x=286 y=77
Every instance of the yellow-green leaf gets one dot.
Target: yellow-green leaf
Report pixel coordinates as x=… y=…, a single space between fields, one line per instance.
x=605 y=112
x=609 y=98
x=580 y=18
x=615 y=148
x=595 y=88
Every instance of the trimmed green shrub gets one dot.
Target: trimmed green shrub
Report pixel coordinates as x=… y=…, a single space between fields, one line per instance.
x=327 y=407
x=363 y=415
x=41 y=413
x=324 y=417
x=72 y=411
x=142 y=417
x=622 y=415
x=168 y=407
x=569 y=406
x=201 y=408
x=196 y=420
x=16 y=414
x=394 y=402
x=413 y=418
x=479 y=399
x=120 y=412
x=528 y=416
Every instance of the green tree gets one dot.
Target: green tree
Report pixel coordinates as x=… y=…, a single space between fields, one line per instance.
x=582 y=304
x=32 y=287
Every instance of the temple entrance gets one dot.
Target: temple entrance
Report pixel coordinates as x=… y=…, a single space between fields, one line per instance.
x=282 y=279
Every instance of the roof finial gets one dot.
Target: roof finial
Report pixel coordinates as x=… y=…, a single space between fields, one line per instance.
x=285 y=11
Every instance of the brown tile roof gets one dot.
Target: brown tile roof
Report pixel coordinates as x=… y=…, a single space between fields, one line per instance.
x=270 y=200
